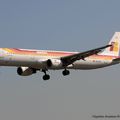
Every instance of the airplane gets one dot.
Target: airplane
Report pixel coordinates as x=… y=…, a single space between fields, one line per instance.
x=29 y=61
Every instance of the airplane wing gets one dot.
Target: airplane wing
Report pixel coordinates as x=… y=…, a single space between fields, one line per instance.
x=67 y=60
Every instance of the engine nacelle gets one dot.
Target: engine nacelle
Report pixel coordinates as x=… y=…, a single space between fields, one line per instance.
x=25 y=71
x=54 y=63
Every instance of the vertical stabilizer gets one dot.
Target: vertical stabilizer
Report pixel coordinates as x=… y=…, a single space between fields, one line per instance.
x=115 y=48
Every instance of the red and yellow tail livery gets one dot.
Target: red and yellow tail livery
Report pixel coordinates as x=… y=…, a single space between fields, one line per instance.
x=114 y=49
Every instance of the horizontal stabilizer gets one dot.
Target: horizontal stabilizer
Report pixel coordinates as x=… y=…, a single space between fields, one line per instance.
x=116 y=60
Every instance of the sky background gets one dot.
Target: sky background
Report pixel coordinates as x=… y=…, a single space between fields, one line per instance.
x=72 y=25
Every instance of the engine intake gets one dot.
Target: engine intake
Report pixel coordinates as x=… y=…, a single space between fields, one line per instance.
x=49 y=63
x=54 y=63
x=25 y=71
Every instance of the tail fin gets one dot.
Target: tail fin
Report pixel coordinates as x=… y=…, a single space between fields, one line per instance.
x=115 y=48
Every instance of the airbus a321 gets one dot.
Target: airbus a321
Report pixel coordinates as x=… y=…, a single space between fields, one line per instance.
x=28 y=61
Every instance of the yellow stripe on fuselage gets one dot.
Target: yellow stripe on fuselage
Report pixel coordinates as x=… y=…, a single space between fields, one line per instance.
x=8 y=50
x=54 y=54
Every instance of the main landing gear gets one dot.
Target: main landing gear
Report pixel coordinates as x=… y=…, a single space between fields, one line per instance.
x=46 y=76
x=66 y=72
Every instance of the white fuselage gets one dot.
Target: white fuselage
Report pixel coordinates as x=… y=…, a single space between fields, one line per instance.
x=34 y=61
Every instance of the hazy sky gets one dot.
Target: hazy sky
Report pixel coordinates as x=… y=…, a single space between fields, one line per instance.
x=72 y=25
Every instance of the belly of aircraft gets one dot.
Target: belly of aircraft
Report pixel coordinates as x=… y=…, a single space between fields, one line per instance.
x=33 y=62
x=89 y=64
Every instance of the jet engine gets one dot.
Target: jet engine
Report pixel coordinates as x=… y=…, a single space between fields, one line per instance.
x=54 y=63
x=25 y=71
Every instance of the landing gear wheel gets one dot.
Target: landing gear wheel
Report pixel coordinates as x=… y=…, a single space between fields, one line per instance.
x=66 y=72
x=46 y=77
